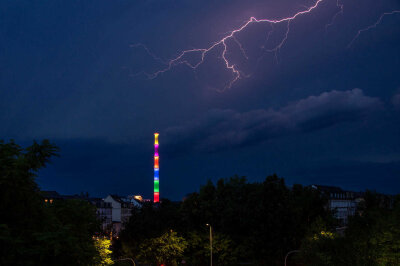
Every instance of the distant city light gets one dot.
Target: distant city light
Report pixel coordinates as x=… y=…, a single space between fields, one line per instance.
x=138 y=197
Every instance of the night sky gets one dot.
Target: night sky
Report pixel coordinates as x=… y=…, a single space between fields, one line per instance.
x=315 y=111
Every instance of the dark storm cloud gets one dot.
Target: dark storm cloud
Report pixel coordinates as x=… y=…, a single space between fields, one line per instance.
x=98 y=167
x=222 y=129
x=65 y=74
x=345 y=172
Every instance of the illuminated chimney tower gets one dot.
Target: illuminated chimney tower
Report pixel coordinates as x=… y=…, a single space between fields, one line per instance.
x=156 y=170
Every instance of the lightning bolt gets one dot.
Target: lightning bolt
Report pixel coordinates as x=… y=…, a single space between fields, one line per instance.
x=181 y=58
x=278 y=47
x=340 y=12
x=241 y=48
x=372 y=26
x=155 y=57
x=237 y=74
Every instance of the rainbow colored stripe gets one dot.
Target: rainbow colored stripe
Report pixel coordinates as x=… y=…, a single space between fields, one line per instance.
x=156 y=170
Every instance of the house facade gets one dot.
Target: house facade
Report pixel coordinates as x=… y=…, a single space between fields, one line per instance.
x=342 y=203
x=121 y=211
x=104 y=213
x=113 y=211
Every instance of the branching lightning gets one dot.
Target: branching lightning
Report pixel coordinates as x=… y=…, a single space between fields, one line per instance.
x=155 y=57
x=237 y=74
x=182 y=57
x=340 y=12
x=372 y=26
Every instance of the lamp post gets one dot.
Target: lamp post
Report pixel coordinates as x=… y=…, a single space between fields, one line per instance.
x=290 y=252
x=131 y=260
x=209 y=225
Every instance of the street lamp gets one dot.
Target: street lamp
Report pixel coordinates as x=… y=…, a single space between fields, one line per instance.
x=290 y=252
x=131 y=260
x=209 y=225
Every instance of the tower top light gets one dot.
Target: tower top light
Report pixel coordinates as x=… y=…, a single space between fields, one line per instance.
x=156 y=138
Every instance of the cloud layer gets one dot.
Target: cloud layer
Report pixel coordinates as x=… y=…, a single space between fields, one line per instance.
x=223 y=129
x=396 y=101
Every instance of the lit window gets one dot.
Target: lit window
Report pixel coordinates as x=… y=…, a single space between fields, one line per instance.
x=138 y=197
x=51 y=200
x=45 y=200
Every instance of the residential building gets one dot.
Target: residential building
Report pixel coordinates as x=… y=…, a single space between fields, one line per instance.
x=104 y=213
x=121 y=210
x=342 y=203
x=113 y=211
x=50 y=196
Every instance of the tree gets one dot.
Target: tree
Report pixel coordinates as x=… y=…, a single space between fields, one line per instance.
x=103 y=248
x=34 y=232
x=67 y=237
x=372 y=237
x=149 y=221
x=252 y=222
x=167 y=249
x=318 y=243
x=21 y=204
x=198 y=250
x=264 y=220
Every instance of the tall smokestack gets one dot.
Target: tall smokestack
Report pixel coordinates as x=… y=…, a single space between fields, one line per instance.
x=156 y=170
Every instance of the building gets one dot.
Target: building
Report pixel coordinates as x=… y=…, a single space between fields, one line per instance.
x=104 y=213
x=113 y=211
x=342 y=203
x=50 y=196
x=121 y=210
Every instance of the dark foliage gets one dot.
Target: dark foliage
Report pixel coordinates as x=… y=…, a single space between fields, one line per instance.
x=252 y=222
x=34 y=232
x=371 y=238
